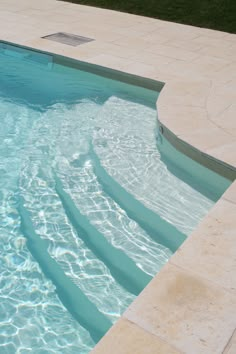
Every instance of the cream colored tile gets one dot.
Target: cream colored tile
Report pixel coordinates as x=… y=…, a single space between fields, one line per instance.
x=106 y=35
x=159 y=61
x=172 y=52
x=210 y=63
x=231 y=347
x=230 y=37
x=210 y=250
x=217 y=104
x=225 y=74
x=35 y=13
x=133 y=42
x=215 y=42
x=185 y=310
x=227 y=119
x=202 y=67
x=185 y=92
x=225 y=152
x=140 y=69
x=180 y=28
x=127 y=338
x=230 y=194
x=183 y=120
x=206 y=138
x=185 y=44
x=144 y=28
x=217 y=51
x=101 y=33
x=61 y=17
x=183 y=32
x=117 y=50
x=110 y=61
x=72 y=9
x=154 y=38
x=13 y=17
x=185 y=70
x=14 y=7
x=47 y=5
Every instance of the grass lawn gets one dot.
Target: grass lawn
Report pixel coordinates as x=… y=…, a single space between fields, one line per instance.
x=215 y=14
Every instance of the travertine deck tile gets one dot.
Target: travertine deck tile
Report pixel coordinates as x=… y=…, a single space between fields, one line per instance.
x=215 y=42
x=226 y=74
x=110 y=60
x=206 y=138
x=173 y=52
x=183 y=43
x=230 y=194
x=225 y=152
x=187 y=311
x=231 y=347
x=226 y=119
x=219 y=52
x=138 y=341
x=136 y=68
x=185 y=92
x=210 y=250
x=133 y=42
x=184 y=119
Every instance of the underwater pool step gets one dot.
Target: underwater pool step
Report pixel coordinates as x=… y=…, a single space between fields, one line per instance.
x=122 y=268
x=80 y=307
x=157 y=228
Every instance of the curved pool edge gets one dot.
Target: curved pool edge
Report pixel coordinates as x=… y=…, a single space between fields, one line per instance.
x=184 y=108
x=189 y=306
x=203 y=158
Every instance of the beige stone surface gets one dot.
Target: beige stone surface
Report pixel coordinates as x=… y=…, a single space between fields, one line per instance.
x=209 y=137
x=184 y=119
x=128 y=338
x=210 y=250
x=230 y=193
x=231 y=347
x=191 y=313
x=226 y=152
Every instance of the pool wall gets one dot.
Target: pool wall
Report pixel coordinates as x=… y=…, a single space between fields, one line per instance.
x=189 y=307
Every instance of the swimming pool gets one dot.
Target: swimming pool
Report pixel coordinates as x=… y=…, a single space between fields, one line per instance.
x=93 y=201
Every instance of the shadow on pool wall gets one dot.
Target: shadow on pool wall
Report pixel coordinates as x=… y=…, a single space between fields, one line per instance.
x=201 y=177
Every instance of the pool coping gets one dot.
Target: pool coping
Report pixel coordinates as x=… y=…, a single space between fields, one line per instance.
x=189 y=306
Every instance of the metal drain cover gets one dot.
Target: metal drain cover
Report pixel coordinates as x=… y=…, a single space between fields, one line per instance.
x=67 y=38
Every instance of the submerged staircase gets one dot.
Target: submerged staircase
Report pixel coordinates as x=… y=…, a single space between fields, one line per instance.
x=124 y=273
x=94 y=240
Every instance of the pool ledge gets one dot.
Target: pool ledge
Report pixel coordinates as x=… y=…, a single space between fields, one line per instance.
x=190 y=306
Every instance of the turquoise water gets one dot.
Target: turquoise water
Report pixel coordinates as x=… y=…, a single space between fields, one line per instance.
x=90 y=208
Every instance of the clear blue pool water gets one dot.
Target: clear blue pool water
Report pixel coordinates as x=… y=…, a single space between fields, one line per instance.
x=90 y=210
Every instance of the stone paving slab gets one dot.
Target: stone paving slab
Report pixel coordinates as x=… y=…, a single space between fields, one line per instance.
x=231 y=347
x=189 y=312
x=189 y=307
x=128 y=338
x=210 y=249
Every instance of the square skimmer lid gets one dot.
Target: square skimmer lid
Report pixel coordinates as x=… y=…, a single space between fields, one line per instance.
x=68 y=38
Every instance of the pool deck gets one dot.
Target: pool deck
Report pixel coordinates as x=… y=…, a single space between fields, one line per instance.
x=190 y=306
